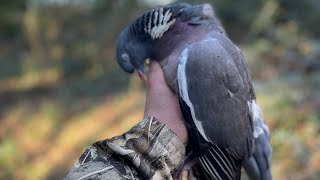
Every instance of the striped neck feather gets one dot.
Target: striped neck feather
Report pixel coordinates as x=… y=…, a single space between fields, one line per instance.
x=154 y=23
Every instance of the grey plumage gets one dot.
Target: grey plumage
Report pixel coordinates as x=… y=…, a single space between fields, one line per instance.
x=259 y=164
x=217 y=91
x=210 y=75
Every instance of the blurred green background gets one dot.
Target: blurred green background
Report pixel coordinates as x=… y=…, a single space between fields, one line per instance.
x=61 y=89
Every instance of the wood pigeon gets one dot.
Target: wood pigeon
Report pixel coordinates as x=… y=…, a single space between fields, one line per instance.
x=209 y=74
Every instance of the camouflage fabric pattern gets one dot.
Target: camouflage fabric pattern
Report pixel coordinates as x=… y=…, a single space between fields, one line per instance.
x=150 y=150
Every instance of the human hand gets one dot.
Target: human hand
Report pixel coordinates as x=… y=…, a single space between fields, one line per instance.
x=162 y=103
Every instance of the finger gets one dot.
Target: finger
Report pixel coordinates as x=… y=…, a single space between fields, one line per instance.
x=156 y=76
x=142 y=75
x=154 y=67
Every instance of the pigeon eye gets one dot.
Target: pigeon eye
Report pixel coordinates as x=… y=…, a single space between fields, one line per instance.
x=125 y=57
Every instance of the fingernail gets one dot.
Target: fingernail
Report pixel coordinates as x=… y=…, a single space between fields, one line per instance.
x=142 y=76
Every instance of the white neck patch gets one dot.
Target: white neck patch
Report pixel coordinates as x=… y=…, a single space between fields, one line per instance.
x=161 y=23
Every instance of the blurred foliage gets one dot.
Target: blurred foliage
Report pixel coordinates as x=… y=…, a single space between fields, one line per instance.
x=61 y=89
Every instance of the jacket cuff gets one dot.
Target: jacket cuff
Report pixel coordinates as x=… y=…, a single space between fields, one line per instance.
x=152 y=147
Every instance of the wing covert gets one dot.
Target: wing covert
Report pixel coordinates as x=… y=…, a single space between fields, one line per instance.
x=213 y=88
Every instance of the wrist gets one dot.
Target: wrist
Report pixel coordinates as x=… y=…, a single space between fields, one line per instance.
x=177 y=125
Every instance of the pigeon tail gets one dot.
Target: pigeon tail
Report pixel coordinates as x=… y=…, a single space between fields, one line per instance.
x=220 y=165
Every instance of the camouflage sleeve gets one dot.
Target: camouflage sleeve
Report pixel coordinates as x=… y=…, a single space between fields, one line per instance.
x=150 y=150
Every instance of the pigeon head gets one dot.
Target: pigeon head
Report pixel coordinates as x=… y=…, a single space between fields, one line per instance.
x=138 y=41
x=133 y=48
